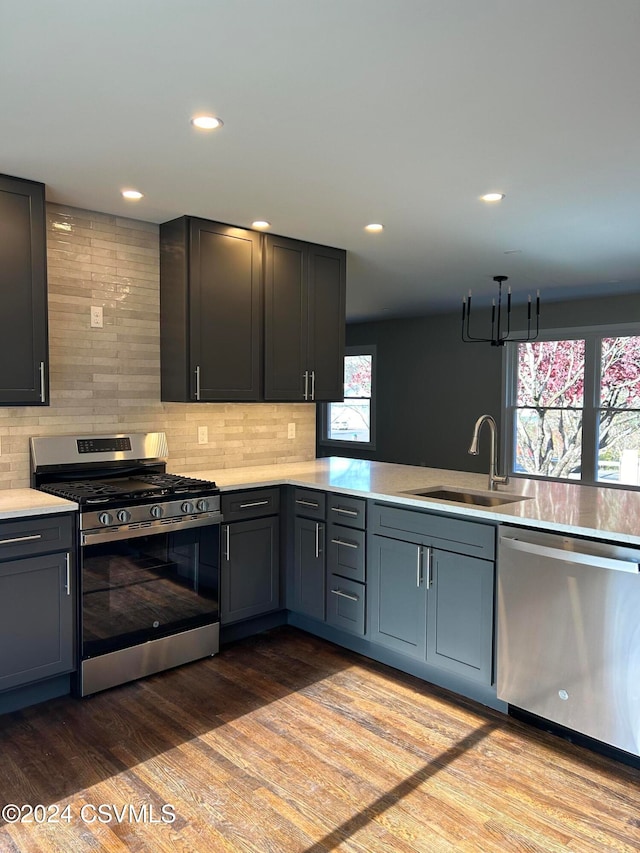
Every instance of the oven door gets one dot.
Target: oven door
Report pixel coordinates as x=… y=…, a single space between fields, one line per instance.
x=147 y=587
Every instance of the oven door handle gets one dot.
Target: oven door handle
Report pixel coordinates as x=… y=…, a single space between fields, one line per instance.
x=148 y=528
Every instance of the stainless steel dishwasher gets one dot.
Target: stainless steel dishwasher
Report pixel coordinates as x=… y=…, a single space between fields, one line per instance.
x=569 y=633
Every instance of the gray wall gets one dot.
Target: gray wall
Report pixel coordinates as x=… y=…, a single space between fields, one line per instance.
x=431 y=387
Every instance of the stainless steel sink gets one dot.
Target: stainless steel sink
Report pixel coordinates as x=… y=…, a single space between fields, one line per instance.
x=442 y=493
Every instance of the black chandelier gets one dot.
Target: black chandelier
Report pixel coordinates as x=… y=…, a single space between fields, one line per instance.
x=500 y=334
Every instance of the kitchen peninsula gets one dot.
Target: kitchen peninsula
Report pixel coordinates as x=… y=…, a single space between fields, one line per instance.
x=599 y=512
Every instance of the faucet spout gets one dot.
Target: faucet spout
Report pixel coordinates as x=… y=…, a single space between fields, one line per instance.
x=494 y=477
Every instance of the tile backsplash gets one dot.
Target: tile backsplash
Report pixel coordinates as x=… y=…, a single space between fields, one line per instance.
x=106 y=380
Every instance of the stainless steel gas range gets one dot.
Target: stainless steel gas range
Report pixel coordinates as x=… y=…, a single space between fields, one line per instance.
x=148 y=546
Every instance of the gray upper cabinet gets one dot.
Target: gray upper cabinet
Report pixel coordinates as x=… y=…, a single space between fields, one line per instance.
x=210 y=312
x=305 y=287
x=220 y=286
x=23 y=294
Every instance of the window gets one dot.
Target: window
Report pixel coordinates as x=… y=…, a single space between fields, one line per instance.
x=573 y=407
x=352 y=420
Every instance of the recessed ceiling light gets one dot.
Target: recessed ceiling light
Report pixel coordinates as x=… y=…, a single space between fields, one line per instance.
x=206 y=122
x=492 y=197
x=132 y=195
x=261 y=223
x=374 y=227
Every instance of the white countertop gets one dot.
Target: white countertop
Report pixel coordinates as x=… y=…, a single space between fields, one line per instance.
x=601 y=512
x=22 y=503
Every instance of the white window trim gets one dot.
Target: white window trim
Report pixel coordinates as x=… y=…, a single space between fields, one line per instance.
x=590 y=334
x=323 y=440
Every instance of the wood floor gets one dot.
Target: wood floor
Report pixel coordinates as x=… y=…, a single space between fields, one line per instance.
x=287 y=744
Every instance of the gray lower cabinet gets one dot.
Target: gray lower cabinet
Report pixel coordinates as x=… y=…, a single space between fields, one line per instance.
x=309 y=560
x=346 y=563
x=397 y=596
x=37 y=601
x=430 y=597
x=309 y=567
x=250 y=564
x=460 y=615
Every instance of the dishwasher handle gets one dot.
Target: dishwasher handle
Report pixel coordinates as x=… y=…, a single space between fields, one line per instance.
x=570 y=556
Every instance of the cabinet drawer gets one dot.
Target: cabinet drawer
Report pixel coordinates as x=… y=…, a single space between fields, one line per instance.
x=250 y=504
x=450 y=534
x=346 y=604
x=309 y=503
x=345 y=552
x=346 y=510
x=33 y=536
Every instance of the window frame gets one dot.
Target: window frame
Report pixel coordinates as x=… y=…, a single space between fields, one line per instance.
x=323 y=409
x=592 y=336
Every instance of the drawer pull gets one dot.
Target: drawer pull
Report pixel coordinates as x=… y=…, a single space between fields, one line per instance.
x=313 y=504
x=345 y=595
x=253 y=503
x=67 y=585
x=352 y=512
x=345 y=543
x=17 y=539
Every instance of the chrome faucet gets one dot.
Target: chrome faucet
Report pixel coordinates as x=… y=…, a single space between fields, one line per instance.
x=494 y=477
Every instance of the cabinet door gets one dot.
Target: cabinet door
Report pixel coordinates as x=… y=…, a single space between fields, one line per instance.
x=397 y=596
x=250 y=571
x=460 y=615
x=224 y=311
x=309 y=568
x=285 y=319
x=327 y=288
x=23 y=294
x=36 y=619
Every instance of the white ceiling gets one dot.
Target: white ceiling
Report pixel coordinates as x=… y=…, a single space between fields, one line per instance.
x=342 y=112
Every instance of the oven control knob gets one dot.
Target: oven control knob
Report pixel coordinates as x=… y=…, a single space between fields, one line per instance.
x=187 y=506
x=202 y=505
x=105 y=518
x=124 y=515
x=156 y=511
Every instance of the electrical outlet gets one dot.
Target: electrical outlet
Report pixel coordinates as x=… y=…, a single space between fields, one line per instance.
x=291 y=431
x=203 y=435
x=96 y=317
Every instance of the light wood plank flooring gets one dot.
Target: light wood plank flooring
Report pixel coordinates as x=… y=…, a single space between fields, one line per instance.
x=287 y=744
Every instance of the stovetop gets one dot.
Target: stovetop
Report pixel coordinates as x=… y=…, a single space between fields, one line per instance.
x=138 y=488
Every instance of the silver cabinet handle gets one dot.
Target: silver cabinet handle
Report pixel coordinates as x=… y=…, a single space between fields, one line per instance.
x=429 y=583
x=419 y=567
x=571 y=556
x=313 y=504
x=318 y=531
x=313 y=385
x=306 y=385
x=345 y=543
x=352 y=512
x=42 y=392
x=67 y=584
x=345 y=595
x=253 y=503
x=21 y=539
x=197 y=382
x=227 y=544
